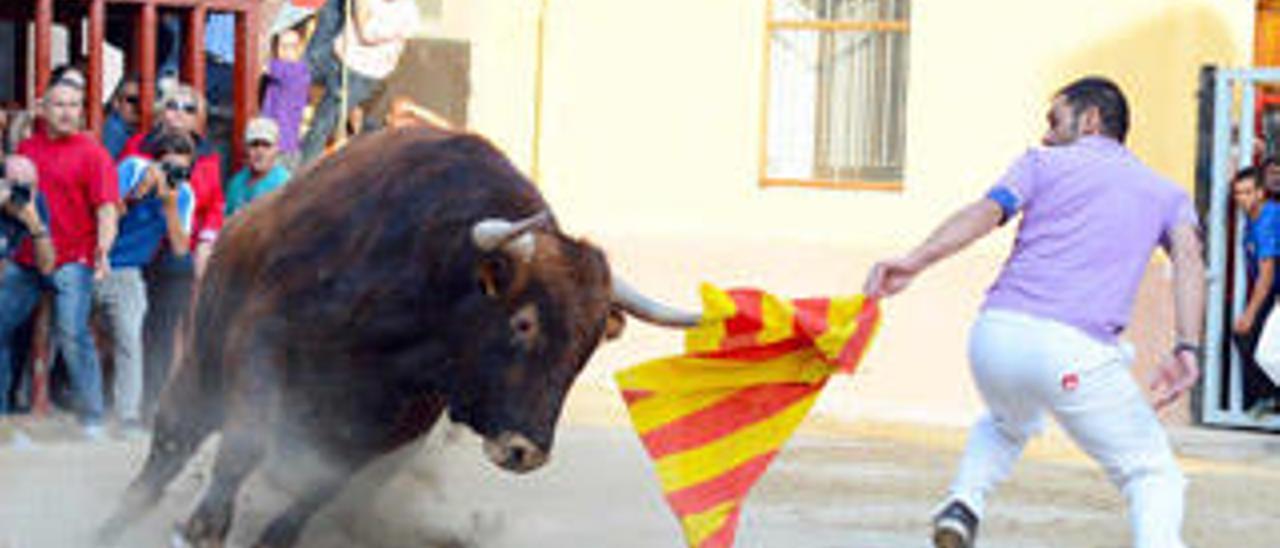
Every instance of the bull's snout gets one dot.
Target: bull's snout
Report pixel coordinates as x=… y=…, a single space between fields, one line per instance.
x=514 y=452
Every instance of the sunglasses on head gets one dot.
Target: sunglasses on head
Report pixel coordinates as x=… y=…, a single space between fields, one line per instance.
x=189 y=108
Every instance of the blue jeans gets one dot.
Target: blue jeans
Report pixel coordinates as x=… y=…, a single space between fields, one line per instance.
x=319 y=54
x=72 y=286
x=359 y=89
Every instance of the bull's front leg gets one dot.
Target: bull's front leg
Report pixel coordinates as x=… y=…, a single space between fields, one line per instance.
x=346 y=456
x=241 y=450
x=285 y=530
x=250 y=401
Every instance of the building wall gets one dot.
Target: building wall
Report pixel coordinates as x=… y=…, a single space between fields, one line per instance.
x=650 y=130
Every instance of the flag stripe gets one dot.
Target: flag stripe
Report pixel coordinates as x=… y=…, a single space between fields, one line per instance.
x=743 y=407
x=747 y=319
x=684 y=374
x=857 y=345
x=698 y=465
x=778 y=318
x=633 y=397
x=659 y=410
x=724 y=537
x=731 y=484
x=811 y=316
x=700 y=527
x=756 y=353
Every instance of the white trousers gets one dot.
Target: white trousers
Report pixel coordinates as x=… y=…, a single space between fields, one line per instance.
x=1025 y=366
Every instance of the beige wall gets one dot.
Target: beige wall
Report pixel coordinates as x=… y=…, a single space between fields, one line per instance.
x=650 y=136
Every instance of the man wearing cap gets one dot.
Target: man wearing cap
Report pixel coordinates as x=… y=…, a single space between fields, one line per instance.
x=78 y=182
x=262 y=173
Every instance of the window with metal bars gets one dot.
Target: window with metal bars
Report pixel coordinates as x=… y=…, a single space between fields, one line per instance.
x=835 y=93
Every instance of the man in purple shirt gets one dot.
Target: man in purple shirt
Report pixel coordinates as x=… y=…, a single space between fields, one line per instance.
x=1047 y=338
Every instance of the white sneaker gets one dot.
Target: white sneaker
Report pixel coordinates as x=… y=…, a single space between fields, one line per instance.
x=93 y=432
x=15 y=438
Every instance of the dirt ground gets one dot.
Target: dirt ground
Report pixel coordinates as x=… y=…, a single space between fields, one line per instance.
x=838 y=484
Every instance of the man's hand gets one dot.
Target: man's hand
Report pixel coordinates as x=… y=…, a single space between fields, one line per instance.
x=26 y=215
x=888 y=278
x=1172 y=377
x=152 y=180
x=29 y=216
x=166 y=192
x=101 y=264
x=1243 y=324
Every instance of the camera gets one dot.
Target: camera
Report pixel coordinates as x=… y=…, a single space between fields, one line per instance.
x=19 y=193
x=175 y=175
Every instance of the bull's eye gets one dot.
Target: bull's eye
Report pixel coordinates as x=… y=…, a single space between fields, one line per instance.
x=524 y=325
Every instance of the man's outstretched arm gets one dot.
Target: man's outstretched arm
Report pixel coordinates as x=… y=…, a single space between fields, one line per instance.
x=956 y=233
x=1179 y=370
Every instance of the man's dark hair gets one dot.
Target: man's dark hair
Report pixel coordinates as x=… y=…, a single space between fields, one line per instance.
x=1248 y=172
x=129 y=78
x=170 y=142
x=1096 y=91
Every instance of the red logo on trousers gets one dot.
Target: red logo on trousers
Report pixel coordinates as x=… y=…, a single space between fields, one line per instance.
x=1070 y=381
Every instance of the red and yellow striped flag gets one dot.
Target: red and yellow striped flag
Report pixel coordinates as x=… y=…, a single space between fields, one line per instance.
x=713 y=418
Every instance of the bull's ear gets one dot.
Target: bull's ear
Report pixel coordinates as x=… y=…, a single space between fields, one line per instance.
x=493 y=275
x=614 y=322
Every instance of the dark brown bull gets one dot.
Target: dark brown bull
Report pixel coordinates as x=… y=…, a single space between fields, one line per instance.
x=412 y=273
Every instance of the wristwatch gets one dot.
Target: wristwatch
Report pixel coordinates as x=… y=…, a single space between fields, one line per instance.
x=1184 y=346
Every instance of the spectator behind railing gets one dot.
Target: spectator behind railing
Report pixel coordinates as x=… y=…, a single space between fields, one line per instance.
x=288 y=82
x=122 y=119
x=171 y=278
x=367 y=50
x=157 y=204
x=1261 y=242
x=262 y=173
x=77 y=178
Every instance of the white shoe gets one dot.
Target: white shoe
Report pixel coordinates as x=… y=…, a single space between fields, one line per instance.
x=93 y=432
x=17 y=439
x=12 y=437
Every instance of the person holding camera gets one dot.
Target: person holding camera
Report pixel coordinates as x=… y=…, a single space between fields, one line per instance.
x=21 y=218
x=77 y=181
x=19 y=214
x=157 y=203
x=171 y=278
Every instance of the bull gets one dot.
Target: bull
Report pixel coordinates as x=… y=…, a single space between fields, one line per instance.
x=414 y=273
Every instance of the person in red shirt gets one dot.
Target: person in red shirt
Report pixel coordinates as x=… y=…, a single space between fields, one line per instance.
x=171 y=278
x=78 y=181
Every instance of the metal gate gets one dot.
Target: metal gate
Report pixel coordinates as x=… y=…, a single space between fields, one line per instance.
x=1229 y=116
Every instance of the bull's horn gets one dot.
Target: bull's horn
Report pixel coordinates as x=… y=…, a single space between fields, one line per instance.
x=649 y=310
x=490 y=234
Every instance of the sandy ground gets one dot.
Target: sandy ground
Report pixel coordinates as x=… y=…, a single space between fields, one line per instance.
x=838 y=484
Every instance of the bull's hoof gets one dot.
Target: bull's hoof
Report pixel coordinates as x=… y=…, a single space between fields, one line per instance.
x=195 y=535
x=176 y=540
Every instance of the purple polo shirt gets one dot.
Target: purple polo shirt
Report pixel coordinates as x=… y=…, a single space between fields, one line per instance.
x=286 y=97
x=1092 y=213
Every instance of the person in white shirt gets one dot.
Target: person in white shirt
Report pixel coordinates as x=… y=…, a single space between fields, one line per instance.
x=369 y=48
